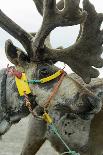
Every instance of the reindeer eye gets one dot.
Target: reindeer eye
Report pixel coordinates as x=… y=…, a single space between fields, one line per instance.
x=45 y=71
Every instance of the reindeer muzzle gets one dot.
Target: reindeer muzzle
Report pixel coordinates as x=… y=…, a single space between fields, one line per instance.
x=4 y=126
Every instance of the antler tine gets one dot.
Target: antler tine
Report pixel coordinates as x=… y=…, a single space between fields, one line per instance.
x=93 y=23
x=86 y=52
x=39 y=6
x=16 y=31
x=89 y=8
x=71 y=6
x=60 y=5
x=52 y=18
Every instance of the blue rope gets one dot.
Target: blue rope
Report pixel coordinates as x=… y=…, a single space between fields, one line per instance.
x=33 y=81
x=57 y=133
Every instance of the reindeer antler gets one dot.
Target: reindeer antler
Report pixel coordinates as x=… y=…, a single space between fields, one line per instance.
x=86 y=52
x=52 y=18
x=81 y=56
x=16 y=31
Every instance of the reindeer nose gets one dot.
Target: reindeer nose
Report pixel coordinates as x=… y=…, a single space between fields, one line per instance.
x=4 y=127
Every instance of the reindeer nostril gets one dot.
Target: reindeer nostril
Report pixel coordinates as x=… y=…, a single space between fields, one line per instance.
x=69 y=134
x=65 y=133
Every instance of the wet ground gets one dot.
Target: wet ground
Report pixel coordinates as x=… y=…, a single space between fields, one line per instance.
x=12 y=141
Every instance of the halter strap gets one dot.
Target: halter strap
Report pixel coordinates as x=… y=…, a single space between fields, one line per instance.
x=54 y=91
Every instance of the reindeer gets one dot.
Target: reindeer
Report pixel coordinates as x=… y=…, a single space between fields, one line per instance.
x=77 y=101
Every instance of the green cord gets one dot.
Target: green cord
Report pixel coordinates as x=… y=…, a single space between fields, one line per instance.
x=32 y=81
x=57 y=133
x=72 y=153
x=64 y=153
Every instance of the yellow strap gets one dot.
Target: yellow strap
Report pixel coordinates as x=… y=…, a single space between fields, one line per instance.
x=22 y=85
x=49 y=78
x=47 y=118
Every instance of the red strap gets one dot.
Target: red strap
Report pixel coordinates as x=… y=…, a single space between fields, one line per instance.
x=12 y=71
x=55 y=89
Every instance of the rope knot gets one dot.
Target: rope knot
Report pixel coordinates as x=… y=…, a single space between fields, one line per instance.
x=13 y=72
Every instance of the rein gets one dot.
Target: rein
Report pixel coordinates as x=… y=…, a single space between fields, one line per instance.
x=54 y=91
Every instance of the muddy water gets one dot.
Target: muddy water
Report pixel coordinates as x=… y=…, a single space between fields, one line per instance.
x=12 y=142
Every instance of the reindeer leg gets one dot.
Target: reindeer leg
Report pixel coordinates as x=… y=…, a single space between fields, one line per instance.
x=35 y=137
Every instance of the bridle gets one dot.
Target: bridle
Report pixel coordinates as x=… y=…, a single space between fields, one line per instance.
x=18 y=77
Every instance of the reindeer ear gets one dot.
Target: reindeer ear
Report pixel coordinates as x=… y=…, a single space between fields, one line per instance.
x=14 y=54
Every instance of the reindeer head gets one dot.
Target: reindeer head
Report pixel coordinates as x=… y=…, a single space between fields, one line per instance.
x=82 y=56
x=39 y=58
